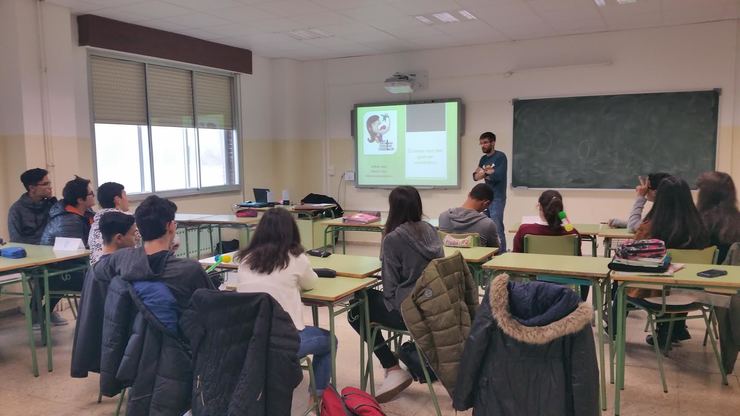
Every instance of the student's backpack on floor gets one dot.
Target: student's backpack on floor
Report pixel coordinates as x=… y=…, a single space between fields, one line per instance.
x=352 y=402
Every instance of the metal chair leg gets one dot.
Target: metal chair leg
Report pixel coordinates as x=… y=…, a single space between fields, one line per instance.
x=658 y=352
x=717 y=354
x=120 y=402
x=428 y=380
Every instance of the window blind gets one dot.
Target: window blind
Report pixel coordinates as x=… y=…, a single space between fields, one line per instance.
x=118 y=91
x=170 y=96
x=213 y=98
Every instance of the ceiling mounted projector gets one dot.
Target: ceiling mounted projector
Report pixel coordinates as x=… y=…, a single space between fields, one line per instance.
x=401 y=83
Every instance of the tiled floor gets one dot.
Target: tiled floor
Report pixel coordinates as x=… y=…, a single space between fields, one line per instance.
x=694 y=384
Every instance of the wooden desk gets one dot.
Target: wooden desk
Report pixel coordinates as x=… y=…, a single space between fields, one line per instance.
x=473 y=254
x=587 y=232
x=357 y=267
x=35 y=266
x=685 y=278
x=591 y=271
x=610 y=234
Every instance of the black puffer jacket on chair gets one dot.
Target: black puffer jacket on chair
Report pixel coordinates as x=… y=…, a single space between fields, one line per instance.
x=530 y=352
x=245 y=350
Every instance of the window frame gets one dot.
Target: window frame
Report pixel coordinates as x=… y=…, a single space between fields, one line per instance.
x=236 y=117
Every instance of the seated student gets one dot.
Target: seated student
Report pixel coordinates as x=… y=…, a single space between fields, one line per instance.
x=274 y=262
x=645 y=192
x=549 y=206
x=112 y=198
x=118 y=231
x=675 y=220
x=72 y=216
x=149 y=290
x=717 y=204
x=27 y=217
x=408 y=245
x=469 y=218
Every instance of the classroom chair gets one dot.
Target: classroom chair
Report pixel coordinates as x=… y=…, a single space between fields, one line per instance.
x=479 y=274
x=475 y=237
x=664 y=308
x=306 y=365
x=564 y=245
x=395 y=336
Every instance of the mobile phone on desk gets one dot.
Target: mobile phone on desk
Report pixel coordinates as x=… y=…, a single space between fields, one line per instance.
x=712 y=273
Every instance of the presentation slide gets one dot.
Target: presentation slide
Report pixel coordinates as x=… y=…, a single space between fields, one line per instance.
x=408 y=144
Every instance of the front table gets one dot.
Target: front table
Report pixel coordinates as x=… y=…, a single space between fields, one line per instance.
x=35 y=266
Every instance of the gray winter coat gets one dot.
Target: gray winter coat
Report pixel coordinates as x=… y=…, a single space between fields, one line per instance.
x=63 y=223
x=463 y=220
x=404 y=254
x=27 y=219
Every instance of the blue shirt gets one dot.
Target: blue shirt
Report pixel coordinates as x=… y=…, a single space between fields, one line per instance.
x=497 y=181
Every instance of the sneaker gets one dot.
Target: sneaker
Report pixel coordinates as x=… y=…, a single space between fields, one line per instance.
x=36 y=326
x=57 y=319
x=395 y=382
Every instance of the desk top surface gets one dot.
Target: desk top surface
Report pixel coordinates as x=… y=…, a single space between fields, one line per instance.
x=575 y=266
x=38 y=256
x=346 y=265
x=472 y=254
x=687 y=277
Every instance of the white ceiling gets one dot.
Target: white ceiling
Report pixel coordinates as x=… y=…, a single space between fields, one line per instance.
x=367 y=27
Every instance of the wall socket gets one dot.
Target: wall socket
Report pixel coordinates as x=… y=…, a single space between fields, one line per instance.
x=349 y=175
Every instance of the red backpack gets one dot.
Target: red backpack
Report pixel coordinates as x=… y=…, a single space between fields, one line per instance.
x=352 y=402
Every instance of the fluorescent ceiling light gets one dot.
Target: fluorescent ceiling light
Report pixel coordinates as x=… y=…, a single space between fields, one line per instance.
x=626 y=1
x=466 y=14
x=308 y=34
x=446 y=17
x=424 y=19
x=600 y=3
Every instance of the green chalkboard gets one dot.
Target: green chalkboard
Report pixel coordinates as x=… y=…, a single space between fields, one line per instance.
x=607 y=141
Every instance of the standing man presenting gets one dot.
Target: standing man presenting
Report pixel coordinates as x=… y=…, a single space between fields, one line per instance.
x=492 y=168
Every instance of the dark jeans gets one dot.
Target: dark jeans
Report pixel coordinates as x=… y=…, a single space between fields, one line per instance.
x=381 y=315
x=496 y=212
x=317 y=341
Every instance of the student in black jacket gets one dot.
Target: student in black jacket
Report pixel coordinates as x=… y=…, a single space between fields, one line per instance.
x=27 y=217
x=118 y=232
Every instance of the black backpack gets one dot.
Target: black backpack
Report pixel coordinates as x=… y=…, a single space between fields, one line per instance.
x=337 y=212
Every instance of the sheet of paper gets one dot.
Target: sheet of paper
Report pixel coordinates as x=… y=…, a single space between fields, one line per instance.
x=68 y=244
x=530 y=219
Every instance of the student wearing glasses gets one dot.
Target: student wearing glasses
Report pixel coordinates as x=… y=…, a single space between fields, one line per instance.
x=71 y=217
x=27 y=217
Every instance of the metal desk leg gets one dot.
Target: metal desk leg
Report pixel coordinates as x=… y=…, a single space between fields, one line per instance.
x=344 y=241
x=594 y=246
x=47 y=321
x=596 y=288
x=608 y=296
x=621 y=333
x=332 y=345
x=26 y=285
x=315 y=315
x=607 y=246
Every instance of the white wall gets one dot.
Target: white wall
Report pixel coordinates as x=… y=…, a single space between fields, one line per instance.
x=701 y=56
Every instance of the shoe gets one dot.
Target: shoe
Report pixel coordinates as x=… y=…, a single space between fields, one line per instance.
x=662 y=333
x=649 y=340
x=395 y=382
x=57 y=319
x=36 y=326
x=681 y=334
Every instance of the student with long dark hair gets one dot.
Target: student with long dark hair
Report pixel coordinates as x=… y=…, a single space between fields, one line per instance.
x=675 y=220
x=408 y=245
x=274 y=262
x=549 y=205
x=645 y=192
x=717 y=205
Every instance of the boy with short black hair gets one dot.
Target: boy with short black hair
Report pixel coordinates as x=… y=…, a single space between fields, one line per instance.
x=112 y=198
x=27 y=217
x=469 y=218
x=118 y=231
x=150 y=289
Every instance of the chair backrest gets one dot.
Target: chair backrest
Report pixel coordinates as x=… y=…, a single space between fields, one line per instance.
x=705 y=256
x=566 y=245
x=460 y=236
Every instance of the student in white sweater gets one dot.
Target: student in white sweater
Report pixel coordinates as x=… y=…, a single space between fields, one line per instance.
x=274 y=262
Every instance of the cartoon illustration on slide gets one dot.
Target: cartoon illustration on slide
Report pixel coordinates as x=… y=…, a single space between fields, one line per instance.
x=379 y=137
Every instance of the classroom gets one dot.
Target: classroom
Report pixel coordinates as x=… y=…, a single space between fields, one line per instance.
x=532 y=196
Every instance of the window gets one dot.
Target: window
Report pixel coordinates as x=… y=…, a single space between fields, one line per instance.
x=163 y=128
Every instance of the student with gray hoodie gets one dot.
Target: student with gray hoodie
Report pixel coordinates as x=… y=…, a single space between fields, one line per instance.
x=408 y=245
x=469 y=218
